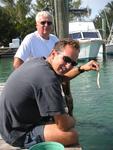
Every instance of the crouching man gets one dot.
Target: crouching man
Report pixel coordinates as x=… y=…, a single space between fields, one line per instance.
x=32 y=108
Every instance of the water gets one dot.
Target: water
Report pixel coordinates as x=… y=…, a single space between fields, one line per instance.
x=92 y=106
x=5 y=68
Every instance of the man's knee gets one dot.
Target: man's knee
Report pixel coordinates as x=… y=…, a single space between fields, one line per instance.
x=74 y=137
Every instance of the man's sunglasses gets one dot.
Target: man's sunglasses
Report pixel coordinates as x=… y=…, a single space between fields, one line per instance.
x=44 y=22
x=69 y=60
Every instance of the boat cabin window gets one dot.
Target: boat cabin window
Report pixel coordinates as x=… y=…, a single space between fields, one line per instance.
x=75 y=35
x=90 y=34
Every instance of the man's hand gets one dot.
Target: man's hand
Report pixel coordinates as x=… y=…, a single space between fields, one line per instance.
x=64 y=121
x=91 y=65
x=75 y=71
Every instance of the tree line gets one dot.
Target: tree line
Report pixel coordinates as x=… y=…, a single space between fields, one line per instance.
x=17 y=17
x=106 y=14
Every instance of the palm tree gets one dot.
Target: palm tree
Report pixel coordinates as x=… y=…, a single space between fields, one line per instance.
x=108 y=15
x=17 y=10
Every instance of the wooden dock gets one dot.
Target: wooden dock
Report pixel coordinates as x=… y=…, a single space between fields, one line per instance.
x=5 y=146
x=7 y=52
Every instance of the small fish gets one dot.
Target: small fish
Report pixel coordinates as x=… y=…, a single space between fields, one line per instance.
x=98 y=79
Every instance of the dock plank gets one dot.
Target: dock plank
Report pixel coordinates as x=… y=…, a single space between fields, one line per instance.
x=5 y=146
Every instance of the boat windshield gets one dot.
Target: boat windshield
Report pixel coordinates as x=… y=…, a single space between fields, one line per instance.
x=84 y=35
x=90 y=34
x=76 y=35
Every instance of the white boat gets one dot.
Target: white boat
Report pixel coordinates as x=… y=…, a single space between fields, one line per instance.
x=88 y=36
x=109 y=48
x=109 y=44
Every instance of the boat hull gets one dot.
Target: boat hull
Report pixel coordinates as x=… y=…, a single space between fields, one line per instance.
x=109 y=49
x=89 y=48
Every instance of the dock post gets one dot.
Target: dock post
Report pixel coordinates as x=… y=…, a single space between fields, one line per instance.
x=104 y=51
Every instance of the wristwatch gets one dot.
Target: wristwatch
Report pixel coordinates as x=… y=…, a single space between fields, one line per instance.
x=80 y=70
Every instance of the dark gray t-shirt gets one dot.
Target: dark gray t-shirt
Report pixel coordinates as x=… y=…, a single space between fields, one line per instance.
x=32 y=91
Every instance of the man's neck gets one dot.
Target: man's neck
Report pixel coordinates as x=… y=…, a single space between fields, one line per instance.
x=44 y=36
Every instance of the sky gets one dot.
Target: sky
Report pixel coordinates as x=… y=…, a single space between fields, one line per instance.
x=95 y=5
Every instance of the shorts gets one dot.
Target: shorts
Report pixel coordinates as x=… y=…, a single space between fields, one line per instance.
x=34 y=137
x=31 y=138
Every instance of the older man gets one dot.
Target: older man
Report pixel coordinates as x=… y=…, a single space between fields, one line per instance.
x=38 y=43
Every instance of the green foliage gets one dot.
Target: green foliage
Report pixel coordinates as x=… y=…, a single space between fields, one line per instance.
x=7 y=29
x=43 y=5
x=15 y=20
x=17 y=17
x=74 y=4
x=27 y=26
x=108 y=15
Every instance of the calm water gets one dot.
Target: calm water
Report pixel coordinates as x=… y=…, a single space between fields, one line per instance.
x=93 y=107
x=5 y=68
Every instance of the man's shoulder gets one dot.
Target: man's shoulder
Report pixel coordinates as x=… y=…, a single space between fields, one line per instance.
x=30 y=35
x=54 y=37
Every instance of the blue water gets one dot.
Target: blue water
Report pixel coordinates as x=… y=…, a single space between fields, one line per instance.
x=5 y=68
x=92 y=106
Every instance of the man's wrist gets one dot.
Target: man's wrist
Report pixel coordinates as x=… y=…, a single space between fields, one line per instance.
x=80 y=69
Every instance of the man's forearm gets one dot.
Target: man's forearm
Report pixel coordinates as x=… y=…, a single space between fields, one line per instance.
x=75 y=71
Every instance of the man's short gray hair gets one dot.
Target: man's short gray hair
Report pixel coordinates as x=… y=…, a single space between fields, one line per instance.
x=43 y=13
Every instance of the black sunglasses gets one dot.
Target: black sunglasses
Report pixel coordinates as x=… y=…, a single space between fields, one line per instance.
x=69 y=60
x=44 y=22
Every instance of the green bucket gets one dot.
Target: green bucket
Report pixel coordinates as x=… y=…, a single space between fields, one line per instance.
x=47 y=146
